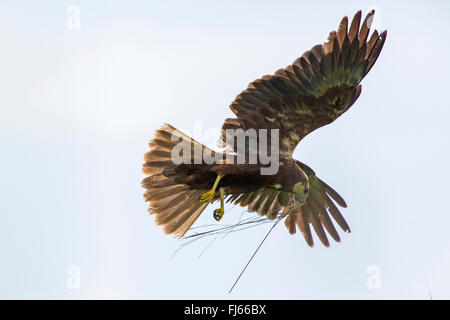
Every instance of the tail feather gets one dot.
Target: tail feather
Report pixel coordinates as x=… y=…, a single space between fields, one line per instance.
x=172 y=200
x=185 y=217
x=165 y=192
x=174 y=213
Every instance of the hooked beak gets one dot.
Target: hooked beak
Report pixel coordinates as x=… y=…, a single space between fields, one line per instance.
x=301 y=199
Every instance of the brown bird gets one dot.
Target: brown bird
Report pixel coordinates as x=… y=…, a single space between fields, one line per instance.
x=312 y=92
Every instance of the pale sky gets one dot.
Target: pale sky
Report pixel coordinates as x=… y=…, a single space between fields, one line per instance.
x=80 y=105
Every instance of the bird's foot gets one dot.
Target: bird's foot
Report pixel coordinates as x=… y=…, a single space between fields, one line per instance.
x=207 y=196
x=218 y=213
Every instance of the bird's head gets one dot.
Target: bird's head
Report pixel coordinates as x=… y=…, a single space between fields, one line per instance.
x=300 y=191
x=301 y=187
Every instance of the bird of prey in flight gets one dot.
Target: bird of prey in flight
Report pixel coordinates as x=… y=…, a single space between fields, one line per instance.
x=310 y=93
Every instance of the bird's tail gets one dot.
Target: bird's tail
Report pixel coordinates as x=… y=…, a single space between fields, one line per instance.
x=169 y=186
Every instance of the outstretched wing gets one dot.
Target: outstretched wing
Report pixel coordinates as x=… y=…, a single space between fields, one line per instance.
x=317 y=210
x=312 y=92
x=319 y=206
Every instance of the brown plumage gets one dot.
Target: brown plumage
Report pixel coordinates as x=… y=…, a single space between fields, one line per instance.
x=312 y=92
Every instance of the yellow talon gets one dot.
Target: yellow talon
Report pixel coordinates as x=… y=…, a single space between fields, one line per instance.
x=218 y=213
x=207 y=196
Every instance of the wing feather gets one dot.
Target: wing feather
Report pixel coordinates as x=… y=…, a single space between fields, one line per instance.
x=303 y=225
x=317 y=210
x=312 y=92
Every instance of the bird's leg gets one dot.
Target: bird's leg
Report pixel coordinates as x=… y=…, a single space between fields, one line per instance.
x=218 y=213
x=207 y=196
